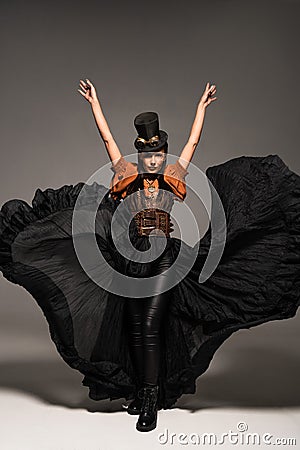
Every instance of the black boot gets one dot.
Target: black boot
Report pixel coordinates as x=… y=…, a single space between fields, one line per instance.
x=135 y=406
x=148 y=415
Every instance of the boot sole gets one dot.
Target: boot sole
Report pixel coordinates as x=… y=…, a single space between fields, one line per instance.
x=133 y=413
x=149 y=428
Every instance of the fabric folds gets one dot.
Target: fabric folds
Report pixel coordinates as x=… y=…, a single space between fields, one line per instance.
x=257 y=279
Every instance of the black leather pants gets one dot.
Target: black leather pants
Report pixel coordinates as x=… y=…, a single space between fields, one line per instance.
x=145 y=317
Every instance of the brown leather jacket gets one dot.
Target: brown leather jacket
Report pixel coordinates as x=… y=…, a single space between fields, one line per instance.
x=125 y=172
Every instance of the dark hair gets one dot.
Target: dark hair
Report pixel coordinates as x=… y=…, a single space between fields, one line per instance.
x=138 y=182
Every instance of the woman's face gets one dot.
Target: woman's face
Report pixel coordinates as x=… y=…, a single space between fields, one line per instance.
x=152 y=161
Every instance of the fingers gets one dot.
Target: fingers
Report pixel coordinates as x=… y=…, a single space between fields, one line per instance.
x=207 y=86
x=211 y=100
x=82 y=93
x=85 y=85
x=89 y=86
x=211 y=92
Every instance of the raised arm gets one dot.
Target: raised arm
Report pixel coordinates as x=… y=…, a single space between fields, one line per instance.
x=88 y=91
x=195 y=134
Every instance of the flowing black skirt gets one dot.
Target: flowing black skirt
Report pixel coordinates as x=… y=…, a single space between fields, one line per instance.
x=257 y=279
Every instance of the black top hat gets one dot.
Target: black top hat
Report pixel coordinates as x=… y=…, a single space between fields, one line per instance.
x=150 y=137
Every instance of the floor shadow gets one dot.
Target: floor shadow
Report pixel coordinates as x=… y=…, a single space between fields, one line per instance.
x=250 y=378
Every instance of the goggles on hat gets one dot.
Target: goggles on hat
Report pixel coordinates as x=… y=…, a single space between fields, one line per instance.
x=153 y=142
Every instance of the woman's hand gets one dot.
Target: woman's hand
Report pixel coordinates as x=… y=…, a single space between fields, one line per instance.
x=88 y=91
x=207 y=98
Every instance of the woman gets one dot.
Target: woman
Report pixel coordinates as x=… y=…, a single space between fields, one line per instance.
x=145 y=315
x=101 y=332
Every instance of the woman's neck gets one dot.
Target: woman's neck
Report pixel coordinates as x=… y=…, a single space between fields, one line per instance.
x=150 y=175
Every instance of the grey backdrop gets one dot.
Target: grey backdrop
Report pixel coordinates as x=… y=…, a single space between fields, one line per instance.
x=144 y=56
